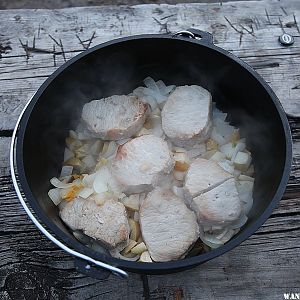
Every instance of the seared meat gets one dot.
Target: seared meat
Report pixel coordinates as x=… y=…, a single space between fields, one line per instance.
x=142 y=162
x=219 y=206
x=168 y=227
x=116 y=117
x=106 y=223
x=186 y=116
x=202 y=176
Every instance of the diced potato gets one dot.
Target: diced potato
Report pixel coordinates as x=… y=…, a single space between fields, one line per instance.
x=132 y=202
x=235 y=136
x=179 y=175
x=211 y=145
x=228 y=150
x=209 y=154
x=135 y=229
x=242 y=161
x=182 y=162
x=181 y=166
x=145 y=257
x=218 y=156
x=139 y=248
x=131 y=244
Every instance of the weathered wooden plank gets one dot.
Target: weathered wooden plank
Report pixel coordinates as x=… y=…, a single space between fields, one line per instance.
x=249 y=29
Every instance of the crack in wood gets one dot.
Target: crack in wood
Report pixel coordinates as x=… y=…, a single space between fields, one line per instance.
x=86 y=43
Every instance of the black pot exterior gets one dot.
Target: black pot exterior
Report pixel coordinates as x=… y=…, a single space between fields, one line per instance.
x=119 y=66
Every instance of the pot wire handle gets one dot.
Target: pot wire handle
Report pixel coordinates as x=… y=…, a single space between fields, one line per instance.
x=195 y=34
x=114 y=270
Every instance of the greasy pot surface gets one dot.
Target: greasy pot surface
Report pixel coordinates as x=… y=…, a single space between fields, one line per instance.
x=117 y=68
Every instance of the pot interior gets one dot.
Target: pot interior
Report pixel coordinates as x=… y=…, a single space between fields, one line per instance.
x=121 y=67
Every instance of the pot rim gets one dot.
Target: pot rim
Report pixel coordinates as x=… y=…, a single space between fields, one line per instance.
x=171 y=266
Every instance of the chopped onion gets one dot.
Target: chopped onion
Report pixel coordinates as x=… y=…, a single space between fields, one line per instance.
x=116 y=254
x=178 y=191
x=68 y=154
x=239 y=223
x=85 y=192
x=66 y=171
x=240 y=146
x=217 y=137
x=151 y=84
x=218 y=156
x=226 y=166
x=109 y=149
x=62 y=185
x=54 y=195
x=169 y=89
x=245 y=178
x=179 y=175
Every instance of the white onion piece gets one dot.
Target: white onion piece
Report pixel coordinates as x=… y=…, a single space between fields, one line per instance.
x=139 y=92
x=239 y=223
x=68 y=154
x=156 y=126
x=226 y=166
x=178 y=191
x=245 y=178
x=95 y=148
x=62 y=185
x=89 y=161
x=54 y=195
x=179 y=175
x=161 y=86
x=88 y=180
x=85 y=192
x=229 y=234
x=218 y=156
x=217 y=137
x=218 y=114
x=151 y=84
x=109 y=150
x=240 y=146
x=237 y=173
x=169 y=89
x=99 y=185
x=73 y=134
x=66 y=171
x=116 y=254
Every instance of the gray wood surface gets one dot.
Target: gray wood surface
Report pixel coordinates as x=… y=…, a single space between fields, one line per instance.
x=263 y=267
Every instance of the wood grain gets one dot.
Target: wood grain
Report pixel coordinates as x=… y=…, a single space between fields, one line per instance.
x=263 y=267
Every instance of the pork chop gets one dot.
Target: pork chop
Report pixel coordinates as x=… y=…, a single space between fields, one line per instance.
x=202 y=176
x=219 y=206
x=141 y=163
x=168 y=227
x=116 y=117
x=106 y=223
x=187 y=114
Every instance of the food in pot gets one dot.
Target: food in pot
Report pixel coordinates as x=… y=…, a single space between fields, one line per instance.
x=185 y=119
x=141 y=163
x=116 y=117
x=169 y=228
x=154 y=176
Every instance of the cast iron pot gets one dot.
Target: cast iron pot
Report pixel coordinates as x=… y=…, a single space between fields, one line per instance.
x=117 y=67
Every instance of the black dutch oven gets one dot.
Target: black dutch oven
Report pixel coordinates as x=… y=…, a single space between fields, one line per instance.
x=119 y=66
